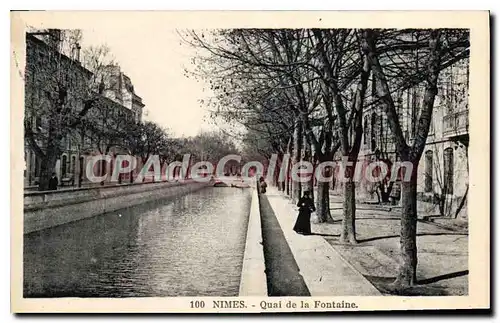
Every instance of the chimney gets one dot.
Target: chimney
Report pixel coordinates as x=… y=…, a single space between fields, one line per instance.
x=76 y=52
x=54 y=38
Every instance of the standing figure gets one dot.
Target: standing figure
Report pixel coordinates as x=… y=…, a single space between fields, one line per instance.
x=306 y=207
x=263 y=185
x=53 y=181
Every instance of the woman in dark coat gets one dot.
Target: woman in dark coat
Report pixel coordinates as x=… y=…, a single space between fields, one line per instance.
x=53 y=182
x=263 y=185
x=306 y=207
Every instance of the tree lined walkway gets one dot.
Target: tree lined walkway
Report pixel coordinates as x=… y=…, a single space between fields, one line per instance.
x=324 y=270
x=442 y=252
x=308 y=95
x=330 y=267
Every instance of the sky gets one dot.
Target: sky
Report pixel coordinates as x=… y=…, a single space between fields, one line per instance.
x=155 y=63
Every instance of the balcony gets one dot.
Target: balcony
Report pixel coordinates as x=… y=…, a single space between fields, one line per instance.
x=456 y=124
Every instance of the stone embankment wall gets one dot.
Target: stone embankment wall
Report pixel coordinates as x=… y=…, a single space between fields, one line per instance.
x=253 y=274
x=52 y=208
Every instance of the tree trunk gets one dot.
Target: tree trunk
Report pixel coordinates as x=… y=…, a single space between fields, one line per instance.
x=296 y=189
x=323 y=203
x=310 y=187
x=143 y=162
x=348 y=234
x=276 y=180
x=307 y=156
x=297 y=154
x=131 y=176
x=408 y=236
x=462 y=202
x=280 y=181
x=287 y=181
x=102 y=172
x=48 y=162
x=407 y=270
x=47 y=165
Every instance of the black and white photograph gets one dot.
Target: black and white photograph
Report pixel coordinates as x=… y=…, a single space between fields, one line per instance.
x=227 y=162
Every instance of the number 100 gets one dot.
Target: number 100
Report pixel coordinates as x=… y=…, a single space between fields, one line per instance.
x=197 y=304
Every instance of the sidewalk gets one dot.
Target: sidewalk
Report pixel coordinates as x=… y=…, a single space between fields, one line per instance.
x=322 y=268
x=442 y=252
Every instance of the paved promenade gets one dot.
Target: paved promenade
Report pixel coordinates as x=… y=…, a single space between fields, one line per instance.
x=442 y=249
x=331 y=268
x=323 y=269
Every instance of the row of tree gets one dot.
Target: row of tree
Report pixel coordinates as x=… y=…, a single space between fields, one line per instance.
x=303 y=92
x=65 y=100
x=63 y=92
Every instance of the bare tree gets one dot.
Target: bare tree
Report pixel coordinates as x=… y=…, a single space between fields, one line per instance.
x=59 y=91
x=439 y=46
x=285 y=77
x=335 y=54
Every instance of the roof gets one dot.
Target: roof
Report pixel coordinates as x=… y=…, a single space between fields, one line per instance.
x=40 y=42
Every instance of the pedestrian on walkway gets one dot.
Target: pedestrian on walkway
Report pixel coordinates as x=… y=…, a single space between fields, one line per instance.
x=53 y=182
x=263 y=185
x=306 y=207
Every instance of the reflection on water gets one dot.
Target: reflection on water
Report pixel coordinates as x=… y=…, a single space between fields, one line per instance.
x=190 y=246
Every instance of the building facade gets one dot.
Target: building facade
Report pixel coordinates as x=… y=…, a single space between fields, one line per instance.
x=443 y=168
x=119 y=88
x=98 y=132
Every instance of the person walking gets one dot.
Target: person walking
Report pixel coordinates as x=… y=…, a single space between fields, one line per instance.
x=263 y=185
x=306 y=207
x=53 y=182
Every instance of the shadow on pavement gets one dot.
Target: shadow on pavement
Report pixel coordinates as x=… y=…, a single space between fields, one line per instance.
x=325 y=235
x=441 y=277
x=384 y=285
x=283 y=276
x=418 y=235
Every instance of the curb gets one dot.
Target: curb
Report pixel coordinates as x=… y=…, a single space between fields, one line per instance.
x=253 y=276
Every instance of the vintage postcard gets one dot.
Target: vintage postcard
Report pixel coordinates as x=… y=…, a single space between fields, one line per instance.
x=246 y=162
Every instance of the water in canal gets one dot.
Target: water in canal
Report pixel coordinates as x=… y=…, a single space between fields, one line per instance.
x=191 y=245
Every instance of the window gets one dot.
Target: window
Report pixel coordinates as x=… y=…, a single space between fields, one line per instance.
x=25 y=163
x=399 y=101
x=450 y=93
x=413 y=118
x=428 y=171
x=38 y=123
x=38 y=166
x=372 y=132
x=64 y=163
x=349 y=134
x=381 y=129
x=448 y=171
x=374 y=86
x=73 y=165
x=365 y=131
x=80 y=172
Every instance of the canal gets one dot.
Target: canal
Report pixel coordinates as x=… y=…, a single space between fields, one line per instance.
x=192 y=245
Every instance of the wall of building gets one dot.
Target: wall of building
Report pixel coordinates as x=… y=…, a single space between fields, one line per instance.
x=108 y=111
x=448 y=130
x=44 y=64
